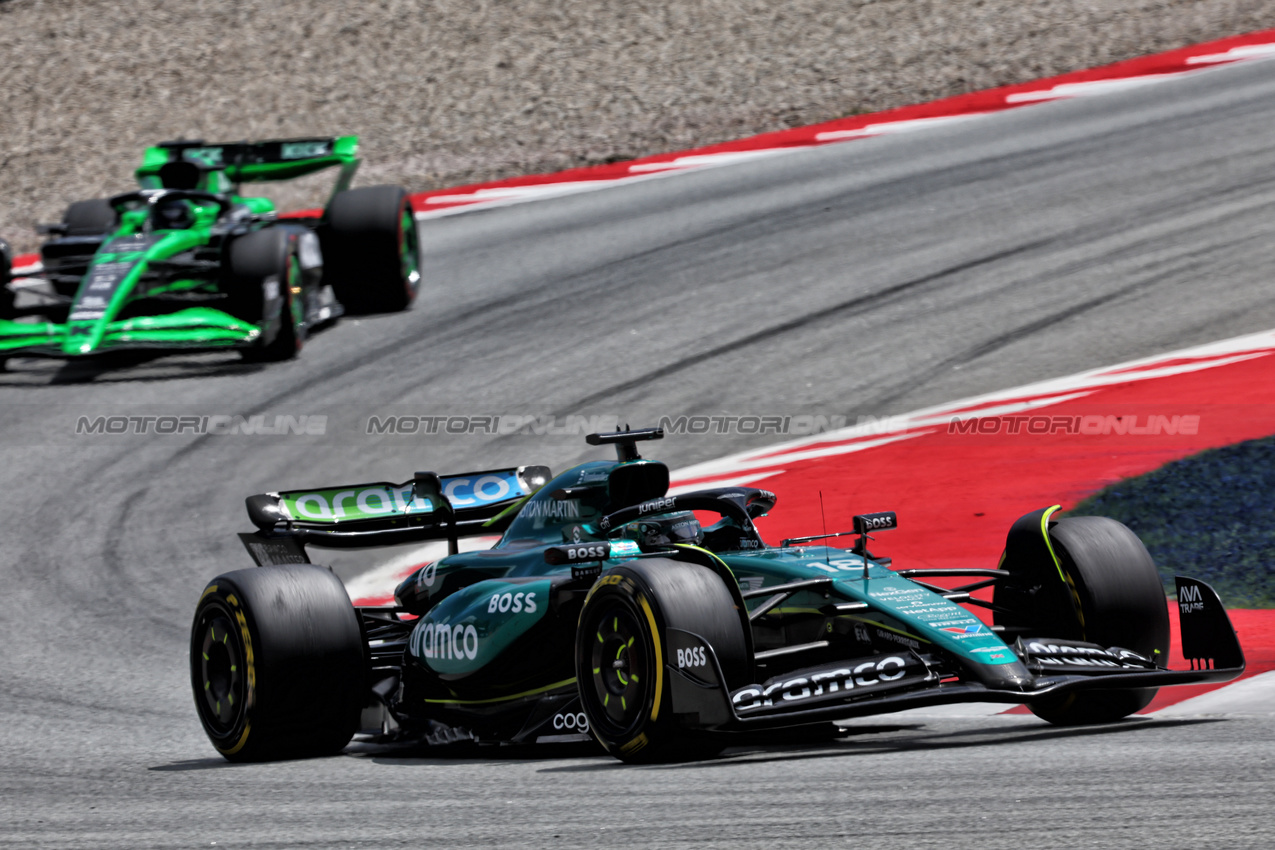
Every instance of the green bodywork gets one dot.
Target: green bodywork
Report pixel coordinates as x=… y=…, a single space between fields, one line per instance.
x=145 y=261
x=477 y=624
x=900 y=613
x=608 y=607
x=916 y=616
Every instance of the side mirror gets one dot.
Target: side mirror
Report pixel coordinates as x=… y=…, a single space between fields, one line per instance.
x=882 y=521
x=864 y=523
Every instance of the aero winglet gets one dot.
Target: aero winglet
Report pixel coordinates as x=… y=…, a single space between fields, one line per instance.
x=1208 y=638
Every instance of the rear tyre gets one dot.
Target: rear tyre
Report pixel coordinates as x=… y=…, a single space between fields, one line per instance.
x=276 y=663
x=371 y=251
x=1110 y=594
x=94 y=217
x=262 y=279
x=621 y=647
x=7 y=297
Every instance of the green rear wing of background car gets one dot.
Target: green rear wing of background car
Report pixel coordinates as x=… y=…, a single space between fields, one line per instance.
x=228 y=164
x=429 y=507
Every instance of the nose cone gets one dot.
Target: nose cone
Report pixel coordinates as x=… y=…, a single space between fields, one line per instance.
x=1013 y=677
x=81 y=339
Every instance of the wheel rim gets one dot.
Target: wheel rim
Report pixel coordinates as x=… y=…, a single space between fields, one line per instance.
x=409 y=251
x=620 y=661
x=219 y=670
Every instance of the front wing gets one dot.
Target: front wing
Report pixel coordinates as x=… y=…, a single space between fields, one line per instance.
x=193 y=328
x=894 y=682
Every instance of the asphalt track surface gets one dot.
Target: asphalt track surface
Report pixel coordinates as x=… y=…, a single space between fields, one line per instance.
x=874 y=277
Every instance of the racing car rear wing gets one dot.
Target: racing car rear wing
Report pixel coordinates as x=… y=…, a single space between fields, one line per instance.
x=252 y=162
x=429 y=507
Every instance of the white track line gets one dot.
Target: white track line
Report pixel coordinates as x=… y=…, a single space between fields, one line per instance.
x=1028 y=396
x=504 y=196
x=1248 y=51
x=1252 y=696
x=1090 y=88
x=906 y=125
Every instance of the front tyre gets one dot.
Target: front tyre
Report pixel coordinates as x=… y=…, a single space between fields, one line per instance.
x=371 y=249
x=277 y=663
x=621 y=655
x=1109 y=593
x=263 y=281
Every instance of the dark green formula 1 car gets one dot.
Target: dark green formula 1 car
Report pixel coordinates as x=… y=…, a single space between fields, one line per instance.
x=607 y=610
x=188 y=263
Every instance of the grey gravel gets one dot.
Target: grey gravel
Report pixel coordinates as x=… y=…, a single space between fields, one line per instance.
x=445 y=92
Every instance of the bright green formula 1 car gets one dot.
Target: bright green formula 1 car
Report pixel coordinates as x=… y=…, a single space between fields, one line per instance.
x=188 y=263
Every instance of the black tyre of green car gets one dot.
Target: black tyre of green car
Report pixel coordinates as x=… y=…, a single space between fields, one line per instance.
x=277 y=663
x=7 y=297
x=290 y=337
x=621 y=645
x=255 y=264
x=93 y=217
x=1109 y=594
x=371 y=250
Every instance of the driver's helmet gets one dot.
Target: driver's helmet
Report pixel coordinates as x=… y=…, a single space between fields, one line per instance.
x=173 y=214
x=666 y=530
